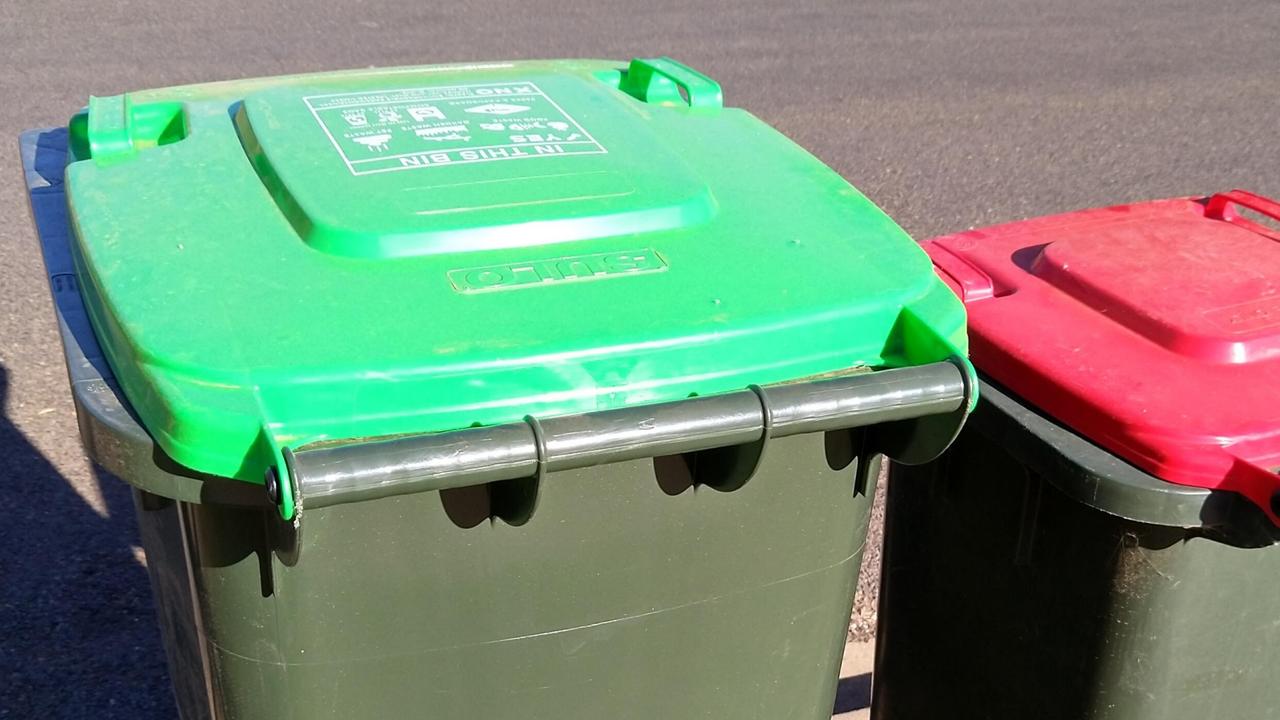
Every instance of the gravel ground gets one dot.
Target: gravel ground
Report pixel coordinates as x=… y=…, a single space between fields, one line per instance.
x=949 y=114
x=862 y=626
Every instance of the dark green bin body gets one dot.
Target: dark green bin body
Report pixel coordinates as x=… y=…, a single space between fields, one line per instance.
x=400 y=612
x=1030 y=574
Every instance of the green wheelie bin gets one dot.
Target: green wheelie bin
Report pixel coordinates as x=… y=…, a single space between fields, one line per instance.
x=506 y=390
x=1100 y=541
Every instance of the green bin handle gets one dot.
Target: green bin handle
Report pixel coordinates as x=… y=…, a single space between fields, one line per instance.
x=661 y=80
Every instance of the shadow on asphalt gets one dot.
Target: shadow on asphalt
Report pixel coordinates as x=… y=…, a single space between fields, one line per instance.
x=78 y=636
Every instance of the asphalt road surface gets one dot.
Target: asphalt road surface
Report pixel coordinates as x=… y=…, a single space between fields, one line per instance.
x=949 y=114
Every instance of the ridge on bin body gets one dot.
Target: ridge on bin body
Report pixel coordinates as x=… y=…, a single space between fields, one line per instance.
x=283 y=261
x=1170 y=354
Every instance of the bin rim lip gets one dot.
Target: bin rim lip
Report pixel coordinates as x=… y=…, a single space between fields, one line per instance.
x=1098 y=478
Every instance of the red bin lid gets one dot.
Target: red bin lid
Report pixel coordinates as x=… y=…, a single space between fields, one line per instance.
x=1153 y=329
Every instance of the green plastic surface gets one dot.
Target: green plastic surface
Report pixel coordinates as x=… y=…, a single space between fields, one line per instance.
x=347 y=255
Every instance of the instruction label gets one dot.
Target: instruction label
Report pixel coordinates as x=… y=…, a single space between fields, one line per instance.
x=391 y=130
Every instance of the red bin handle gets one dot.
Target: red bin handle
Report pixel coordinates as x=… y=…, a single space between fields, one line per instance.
x=1219 y=208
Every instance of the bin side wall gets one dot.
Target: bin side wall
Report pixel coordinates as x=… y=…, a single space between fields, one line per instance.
x=616 y=599
x=999 y=592
x=161 y=531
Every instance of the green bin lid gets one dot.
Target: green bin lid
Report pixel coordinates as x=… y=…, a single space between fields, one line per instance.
x=282 y=261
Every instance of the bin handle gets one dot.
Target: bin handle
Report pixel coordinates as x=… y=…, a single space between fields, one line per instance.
x=654 y=80
x=1218 y=207
x=330 y=475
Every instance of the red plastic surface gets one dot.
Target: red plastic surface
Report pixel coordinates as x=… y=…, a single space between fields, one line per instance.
x=1153 y=329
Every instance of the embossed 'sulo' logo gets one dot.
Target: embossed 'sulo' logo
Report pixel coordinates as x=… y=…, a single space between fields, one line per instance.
x=573 y=268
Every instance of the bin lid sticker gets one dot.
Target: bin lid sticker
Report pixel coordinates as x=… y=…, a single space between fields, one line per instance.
x=403 y=129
